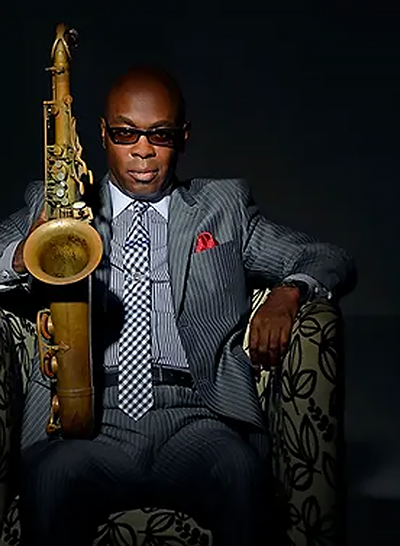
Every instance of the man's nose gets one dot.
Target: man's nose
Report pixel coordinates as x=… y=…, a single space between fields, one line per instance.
x=142 y=148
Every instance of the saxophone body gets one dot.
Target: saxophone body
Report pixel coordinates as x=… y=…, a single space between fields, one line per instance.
x=61 y=254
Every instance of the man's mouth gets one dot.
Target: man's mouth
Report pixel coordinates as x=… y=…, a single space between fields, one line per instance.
x=145 y=175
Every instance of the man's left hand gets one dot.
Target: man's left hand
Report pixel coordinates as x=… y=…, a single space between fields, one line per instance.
x=271 y=326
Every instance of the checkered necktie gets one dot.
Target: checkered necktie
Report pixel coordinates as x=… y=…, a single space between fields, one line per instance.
x=135 y=395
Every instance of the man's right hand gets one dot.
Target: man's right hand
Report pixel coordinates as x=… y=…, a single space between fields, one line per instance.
x=18 y=263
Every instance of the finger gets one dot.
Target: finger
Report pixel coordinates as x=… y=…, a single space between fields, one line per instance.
x=41 y=219
x=274 y=349
x=42 y=215
x=285 y=338
x=253 y=342
x=18 y=259
x=263 y=354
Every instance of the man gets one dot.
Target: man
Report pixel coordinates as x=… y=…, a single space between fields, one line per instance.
x=180 y=423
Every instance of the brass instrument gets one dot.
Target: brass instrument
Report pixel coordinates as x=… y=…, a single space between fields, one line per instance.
x=62 y=253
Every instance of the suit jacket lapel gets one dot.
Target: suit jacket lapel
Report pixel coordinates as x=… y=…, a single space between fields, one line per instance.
x=182 y=227
x=102 y=223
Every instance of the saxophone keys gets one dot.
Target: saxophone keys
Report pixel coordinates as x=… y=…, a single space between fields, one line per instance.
x=53 y=422
x=49 y=364
x=81 y=211
x=55 y=404
x=57 y=150
x=54 y=364
x=53 y=111
x=60 y=191
x=46 y=325
x=61 y=175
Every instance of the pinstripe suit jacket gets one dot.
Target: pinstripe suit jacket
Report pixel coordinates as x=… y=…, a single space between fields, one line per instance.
x=212 y=289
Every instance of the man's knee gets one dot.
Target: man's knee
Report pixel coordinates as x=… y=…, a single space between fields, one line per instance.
x=61 y=490
x=239 y=470
x=52 y=467
x=82 y=470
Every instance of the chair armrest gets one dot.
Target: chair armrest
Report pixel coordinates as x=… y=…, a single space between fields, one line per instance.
x=17 y=349
x=306 y=418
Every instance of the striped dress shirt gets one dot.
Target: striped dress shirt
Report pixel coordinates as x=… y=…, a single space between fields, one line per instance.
x=167 y=349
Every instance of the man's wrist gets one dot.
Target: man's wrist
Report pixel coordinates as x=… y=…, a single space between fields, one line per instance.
x=301 y=288
x=316 y=290
x=9 y=275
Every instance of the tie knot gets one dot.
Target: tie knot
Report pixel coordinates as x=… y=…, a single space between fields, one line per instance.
x=139 y=207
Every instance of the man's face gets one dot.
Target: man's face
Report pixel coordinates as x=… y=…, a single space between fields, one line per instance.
x=141 y=167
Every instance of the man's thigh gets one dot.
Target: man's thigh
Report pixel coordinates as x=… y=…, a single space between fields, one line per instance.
x=206 y=463
x=80 y=476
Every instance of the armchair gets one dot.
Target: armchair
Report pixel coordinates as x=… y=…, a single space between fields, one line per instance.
x=303 y=402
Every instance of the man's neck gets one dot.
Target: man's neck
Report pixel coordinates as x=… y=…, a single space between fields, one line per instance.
x=166 y=189
x=120 y=201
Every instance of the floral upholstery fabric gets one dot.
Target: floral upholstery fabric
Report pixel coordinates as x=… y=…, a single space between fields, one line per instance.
x=303 y=401
x=17 y=346
x=307 y=422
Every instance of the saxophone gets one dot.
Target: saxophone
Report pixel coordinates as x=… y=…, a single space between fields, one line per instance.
x=62 y=253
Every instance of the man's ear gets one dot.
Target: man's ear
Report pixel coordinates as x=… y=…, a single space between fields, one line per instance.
x=103 y=132
x=186 y=135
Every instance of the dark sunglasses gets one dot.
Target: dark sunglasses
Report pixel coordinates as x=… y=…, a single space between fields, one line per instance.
x=170 y=137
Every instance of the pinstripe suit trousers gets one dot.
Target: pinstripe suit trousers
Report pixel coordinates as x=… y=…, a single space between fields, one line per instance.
x=179 y=455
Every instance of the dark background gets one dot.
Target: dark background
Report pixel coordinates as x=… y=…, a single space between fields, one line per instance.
x=302 y=99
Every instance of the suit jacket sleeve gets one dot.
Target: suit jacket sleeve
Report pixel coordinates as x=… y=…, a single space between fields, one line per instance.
x=13 y=229
x=272 y=252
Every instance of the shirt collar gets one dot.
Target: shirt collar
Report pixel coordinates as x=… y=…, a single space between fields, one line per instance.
x=120 y=202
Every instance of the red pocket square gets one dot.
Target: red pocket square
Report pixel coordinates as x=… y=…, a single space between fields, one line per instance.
x=205 y=241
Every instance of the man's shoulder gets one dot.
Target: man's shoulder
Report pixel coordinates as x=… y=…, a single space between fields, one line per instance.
x=34 y=191
x=216 y=188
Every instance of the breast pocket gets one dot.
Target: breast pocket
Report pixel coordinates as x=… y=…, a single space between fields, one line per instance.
x=218 y=268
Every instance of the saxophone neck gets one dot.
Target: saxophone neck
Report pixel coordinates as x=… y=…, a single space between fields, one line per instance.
x=65 y=171
x=60 y=52
x=61 y=100
x=65 y=40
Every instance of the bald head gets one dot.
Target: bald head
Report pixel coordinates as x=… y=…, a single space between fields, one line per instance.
x=143 y=131
x=150 y=79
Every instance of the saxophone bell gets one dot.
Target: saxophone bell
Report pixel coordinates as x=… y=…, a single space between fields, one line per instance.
x=63 y=251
